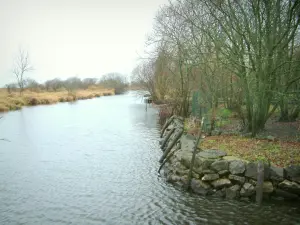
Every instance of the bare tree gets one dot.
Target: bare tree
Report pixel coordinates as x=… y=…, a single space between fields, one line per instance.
x=143 y=74
x=21 y=66
x=72 y=84
x=54 y=84
x=258 y=35
x=114 y=80
x=31 y=84
x=243 y=47
x=88 y=82
x=11 y=87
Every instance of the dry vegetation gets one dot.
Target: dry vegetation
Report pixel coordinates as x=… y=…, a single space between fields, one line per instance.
x=14 y=101
x=279 y=144
x=279 y=153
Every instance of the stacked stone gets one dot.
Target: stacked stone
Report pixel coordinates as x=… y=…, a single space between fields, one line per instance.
x=215 y=173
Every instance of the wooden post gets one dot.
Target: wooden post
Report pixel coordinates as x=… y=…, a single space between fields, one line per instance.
x=171 y=145
x=167 y=123
x=167 y=138
x=194 y=156
x=168 y=158
x=260 y=182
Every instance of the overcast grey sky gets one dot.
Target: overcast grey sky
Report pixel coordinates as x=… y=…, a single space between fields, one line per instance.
x=74 y=37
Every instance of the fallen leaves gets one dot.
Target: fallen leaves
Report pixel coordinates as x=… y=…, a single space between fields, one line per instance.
x=280 y=153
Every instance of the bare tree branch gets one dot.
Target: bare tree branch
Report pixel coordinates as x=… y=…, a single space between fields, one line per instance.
x=21 y=66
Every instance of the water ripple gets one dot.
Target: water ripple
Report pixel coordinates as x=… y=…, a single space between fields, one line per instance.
x=97 y=163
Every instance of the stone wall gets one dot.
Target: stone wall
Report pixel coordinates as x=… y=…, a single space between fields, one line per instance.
x=216 y=173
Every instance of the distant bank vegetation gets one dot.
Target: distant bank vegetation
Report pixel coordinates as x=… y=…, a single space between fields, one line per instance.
x=57 y=90
x=111 y=80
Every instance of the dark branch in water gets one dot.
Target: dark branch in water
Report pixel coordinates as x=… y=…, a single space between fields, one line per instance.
x=4 y=139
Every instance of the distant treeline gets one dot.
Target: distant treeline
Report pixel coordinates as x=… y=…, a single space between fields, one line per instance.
x=111 y=80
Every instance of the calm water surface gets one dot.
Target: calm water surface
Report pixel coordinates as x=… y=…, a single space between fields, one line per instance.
x=95 y=162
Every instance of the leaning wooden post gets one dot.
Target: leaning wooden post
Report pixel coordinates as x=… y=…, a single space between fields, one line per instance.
x=168 y=158
x=171 y=145
x=194 y=155
x=167 y=138
x=167 y=123
x=260 y=182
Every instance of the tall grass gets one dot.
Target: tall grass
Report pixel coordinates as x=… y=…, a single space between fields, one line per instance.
x=14 y=101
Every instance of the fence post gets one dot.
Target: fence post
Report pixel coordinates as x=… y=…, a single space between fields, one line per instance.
x=260 y=182
x=194 y=155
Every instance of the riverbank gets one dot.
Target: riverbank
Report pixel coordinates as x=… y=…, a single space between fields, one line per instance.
x=220 y=172
x=15 y=101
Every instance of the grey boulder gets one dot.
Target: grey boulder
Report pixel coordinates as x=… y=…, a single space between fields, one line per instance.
x=220 y=183
x=251 y=171
x=293 y=173
x=237 y=179
x=219 y=165
x=276 y=173
x=210 y=177
x=233 y=192
x=237 y=167
x=268 y=187
x=200 y=187
x=247 y=190
x=290 y=186
x=212 y=154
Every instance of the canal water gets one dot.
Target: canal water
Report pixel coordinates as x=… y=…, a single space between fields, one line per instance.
x=95 y=162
